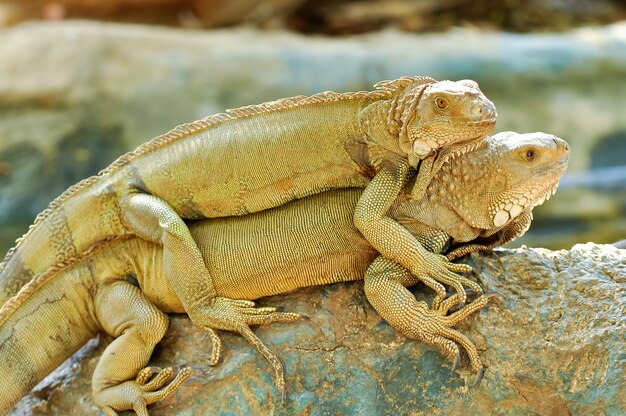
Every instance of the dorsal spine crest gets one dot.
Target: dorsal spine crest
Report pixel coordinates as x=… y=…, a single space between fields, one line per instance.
x=185 y=130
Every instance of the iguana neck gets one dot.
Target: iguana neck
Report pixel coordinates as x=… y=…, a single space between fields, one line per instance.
x=381 y=124
x=430 y=212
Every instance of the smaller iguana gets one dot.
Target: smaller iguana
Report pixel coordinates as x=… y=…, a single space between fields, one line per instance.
x=119 y=287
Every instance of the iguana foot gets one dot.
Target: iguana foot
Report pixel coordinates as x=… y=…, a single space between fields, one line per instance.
x=237 y=316
x=454 y=335
x=138 y=394
x=436 y=270
x=385 y=289
x=434 y=327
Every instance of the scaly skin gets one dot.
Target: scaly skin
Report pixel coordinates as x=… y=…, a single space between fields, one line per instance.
x=256 y=158
x=311 y=241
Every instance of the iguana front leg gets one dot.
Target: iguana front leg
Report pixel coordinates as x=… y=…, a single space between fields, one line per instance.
x=385 y=288
x=394 y=242
x=155 y=220
x=510 y=232
x=428 y=168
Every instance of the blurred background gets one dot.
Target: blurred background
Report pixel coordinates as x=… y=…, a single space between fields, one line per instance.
x=81 y=82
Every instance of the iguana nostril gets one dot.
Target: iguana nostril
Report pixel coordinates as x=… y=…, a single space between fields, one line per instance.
x=561 y=144
x=483 y=111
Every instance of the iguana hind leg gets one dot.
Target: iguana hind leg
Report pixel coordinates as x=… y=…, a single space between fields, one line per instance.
x=155 y=220
x=514 y=229
x=385 y=288
x=121 y=381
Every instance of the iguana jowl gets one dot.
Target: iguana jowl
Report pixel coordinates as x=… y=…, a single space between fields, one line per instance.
x=310 y=241
x=255 y=158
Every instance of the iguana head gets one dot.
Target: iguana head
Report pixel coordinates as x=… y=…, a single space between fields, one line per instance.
x=428 y=115
x=453 y=114
x=507 y=175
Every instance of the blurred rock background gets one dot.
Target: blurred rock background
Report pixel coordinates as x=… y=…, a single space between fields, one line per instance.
x=75 y=94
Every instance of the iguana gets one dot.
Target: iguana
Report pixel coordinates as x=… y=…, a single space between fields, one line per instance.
x=259 y=157
x=120 y=287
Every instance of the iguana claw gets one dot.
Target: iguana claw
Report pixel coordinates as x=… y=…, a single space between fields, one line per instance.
x=492 y=294
x=470 y=292
x=479 y=377
x=457 y=361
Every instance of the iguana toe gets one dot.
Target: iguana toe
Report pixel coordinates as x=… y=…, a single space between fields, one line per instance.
x=237 y=316
x=459 y=267
x=216 y=345
x=137 y=394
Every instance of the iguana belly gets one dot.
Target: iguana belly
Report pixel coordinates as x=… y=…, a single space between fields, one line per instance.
x=308 y=242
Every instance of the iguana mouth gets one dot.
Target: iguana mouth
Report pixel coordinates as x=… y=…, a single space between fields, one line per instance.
x=487 y=122
x=461 y=148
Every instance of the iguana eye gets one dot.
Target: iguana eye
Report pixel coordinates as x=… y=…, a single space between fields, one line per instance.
x=530 y=154
x=441 y=102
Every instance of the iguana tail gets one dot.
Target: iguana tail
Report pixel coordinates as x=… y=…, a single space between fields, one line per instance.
x=42 y=326
x=83 y=215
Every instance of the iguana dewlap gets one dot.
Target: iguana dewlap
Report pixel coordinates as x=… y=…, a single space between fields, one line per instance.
x=310 y=241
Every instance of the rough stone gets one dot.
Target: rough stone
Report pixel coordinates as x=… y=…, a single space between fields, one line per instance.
x=555 y=346
x=74 y=95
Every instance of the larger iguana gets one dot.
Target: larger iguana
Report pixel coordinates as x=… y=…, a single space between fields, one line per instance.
x=259 y=157
x=120 y=287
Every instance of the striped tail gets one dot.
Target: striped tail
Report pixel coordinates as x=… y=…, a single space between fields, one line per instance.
x=85 y=214
x=49 y=320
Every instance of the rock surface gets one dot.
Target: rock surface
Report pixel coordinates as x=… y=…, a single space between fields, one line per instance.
x=75 y=95
x=555 y=346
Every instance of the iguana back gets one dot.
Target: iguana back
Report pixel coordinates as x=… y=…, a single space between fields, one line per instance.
x=251 y=159
x=232 y=157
